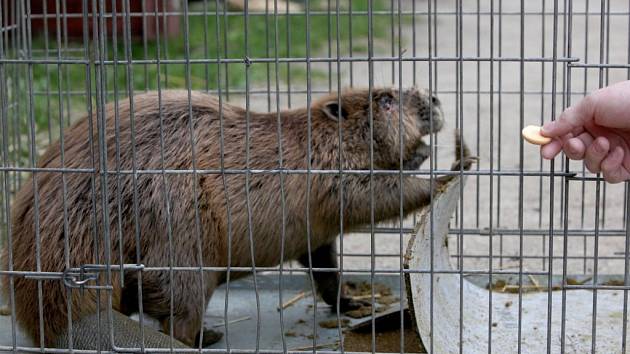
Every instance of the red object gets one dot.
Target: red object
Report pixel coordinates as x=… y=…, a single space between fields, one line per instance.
x=45 y=13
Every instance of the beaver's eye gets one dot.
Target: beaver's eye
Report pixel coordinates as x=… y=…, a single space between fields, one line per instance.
x=386 y=101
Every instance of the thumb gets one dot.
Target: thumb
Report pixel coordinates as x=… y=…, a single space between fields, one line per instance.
x=572 y=120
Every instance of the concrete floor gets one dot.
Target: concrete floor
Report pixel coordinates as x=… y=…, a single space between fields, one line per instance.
x=301 y=320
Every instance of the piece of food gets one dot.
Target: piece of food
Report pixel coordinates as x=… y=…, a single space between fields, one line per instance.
x=531 y=133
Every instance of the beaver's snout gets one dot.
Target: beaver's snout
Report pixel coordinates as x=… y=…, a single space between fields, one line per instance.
x=429 y=111
x=438 y=121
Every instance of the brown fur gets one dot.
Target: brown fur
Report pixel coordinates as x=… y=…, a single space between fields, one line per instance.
x=157 y=211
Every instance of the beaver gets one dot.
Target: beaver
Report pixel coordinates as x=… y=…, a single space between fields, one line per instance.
x=144 y=200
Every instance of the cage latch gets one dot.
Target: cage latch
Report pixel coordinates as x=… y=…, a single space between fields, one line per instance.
x=80 y=277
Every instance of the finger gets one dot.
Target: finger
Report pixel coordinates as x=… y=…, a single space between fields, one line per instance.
x=612 y=166
x=574 y=148
x=572 y=119
x=586 y=138
x=551 y=150
x=595 y=153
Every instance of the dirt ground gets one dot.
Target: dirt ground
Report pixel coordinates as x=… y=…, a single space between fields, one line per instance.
x=387 y=341
x=387 y=338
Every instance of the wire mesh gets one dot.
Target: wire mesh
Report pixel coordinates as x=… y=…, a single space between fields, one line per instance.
x=495 y=65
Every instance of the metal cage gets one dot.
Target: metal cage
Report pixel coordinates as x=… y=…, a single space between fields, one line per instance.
x=522 y=225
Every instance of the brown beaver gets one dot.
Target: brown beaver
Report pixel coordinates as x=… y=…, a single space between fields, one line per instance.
x=181 y=219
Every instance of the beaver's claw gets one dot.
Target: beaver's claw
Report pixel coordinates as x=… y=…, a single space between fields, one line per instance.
x=464 y=164
x=423 y=151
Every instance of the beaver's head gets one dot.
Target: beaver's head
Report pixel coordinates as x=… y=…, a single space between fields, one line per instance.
x=385 y=115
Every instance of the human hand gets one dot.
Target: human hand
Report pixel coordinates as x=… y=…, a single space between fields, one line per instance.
x=596 y=130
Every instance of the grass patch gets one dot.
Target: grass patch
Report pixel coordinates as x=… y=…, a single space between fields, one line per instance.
x=66 y=85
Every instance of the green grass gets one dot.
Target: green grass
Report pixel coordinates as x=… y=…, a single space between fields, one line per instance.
x=48 y=80
x=202 y=35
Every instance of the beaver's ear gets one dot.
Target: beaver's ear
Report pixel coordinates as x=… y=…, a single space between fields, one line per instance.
x=333 y=111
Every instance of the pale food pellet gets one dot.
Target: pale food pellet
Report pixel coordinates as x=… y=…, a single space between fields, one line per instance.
x=531 y=133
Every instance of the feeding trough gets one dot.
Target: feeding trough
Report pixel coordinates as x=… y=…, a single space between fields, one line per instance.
x=457 y=313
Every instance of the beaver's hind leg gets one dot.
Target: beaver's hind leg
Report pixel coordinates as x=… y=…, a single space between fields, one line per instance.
x=327 y=283
x=174 y=244
x=187 y=307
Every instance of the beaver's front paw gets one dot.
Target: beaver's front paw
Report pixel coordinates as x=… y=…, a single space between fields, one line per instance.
x=423 y=151
x=209 y=337
x=464 y=164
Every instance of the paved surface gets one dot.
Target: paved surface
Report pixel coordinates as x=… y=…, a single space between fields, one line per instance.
x=301 y=320
x=7 y=332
